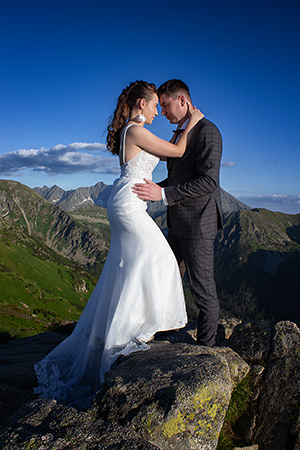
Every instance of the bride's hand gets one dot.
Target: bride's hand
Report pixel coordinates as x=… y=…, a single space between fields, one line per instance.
x=194 y=114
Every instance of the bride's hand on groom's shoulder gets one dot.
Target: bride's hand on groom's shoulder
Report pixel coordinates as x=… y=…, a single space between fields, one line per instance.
x=194 y=113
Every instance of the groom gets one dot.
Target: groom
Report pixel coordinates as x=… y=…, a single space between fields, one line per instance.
x=192 y=193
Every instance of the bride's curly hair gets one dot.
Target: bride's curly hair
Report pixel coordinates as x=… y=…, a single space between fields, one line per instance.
x=126 y=101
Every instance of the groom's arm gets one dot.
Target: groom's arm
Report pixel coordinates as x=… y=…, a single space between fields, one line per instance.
x=208 y=151
x=163 y=183
x=208 y=158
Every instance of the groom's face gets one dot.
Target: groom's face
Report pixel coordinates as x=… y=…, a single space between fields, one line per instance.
x=173 y=108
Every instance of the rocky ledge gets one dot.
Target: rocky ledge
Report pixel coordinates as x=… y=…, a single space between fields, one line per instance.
x=174 y=396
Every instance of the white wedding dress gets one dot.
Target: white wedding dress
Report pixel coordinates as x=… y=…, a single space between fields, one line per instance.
x=139 y=293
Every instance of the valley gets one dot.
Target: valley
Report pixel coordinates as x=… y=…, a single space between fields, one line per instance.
x=51 y=258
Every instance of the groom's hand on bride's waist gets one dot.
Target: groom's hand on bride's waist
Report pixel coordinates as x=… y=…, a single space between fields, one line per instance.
x=147 y=191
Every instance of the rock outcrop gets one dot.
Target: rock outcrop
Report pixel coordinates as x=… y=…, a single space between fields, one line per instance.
x=273 y=419
x=44 y=424
x=174 y=396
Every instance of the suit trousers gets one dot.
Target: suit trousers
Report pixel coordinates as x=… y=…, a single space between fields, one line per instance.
x=198 y=256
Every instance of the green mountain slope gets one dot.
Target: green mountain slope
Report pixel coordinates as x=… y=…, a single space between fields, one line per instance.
x=26 y=210
x=94 y=218
x=38 y=287
x=257 y=265
x=47 y=259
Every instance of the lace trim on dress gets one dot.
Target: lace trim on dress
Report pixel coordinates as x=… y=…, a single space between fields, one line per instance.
x=51 y=386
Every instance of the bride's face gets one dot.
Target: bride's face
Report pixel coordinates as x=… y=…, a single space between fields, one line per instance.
x=150 y=109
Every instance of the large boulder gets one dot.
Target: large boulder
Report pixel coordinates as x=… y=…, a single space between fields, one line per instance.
x=272 y=419
x=252 y=341
x=278 y=419
x=44 y=425
x=174 y=395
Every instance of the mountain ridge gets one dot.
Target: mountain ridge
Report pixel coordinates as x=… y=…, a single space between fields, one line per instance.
x=76 y=198
x=99 y=193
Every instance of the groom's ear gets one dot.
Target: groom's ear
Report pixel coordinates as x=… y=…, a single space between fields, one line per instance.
x=182 y=100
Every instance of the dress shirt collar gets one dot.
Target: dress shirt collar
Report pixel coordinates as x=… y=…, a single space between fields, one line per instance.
x=184 y=125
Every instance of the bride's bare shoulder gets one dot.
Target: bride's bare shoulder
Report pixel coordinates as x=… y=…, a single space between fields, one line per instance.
x=134 y=128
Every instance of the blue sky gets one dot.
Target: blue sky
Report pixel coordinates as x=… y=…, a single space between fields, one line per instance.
x=63 y=64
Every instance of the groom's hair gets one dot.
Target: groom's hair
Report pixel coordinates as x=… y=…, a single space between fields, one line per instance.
x=174 y=87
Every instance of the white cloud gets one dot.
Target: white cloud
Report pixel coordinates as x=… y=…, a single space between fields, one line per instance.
x=61 y=159
x=96 y=146
x=225 y=163
x=65 y=159
x=289 y=204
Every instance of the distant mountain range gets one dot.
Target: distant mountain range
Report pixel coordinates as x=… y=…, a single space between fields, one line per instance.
x=49 y=256
x=99 y=194
x=76 y=198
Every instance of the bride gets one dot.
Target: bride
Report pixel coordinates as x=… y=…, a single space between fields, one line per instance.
x=139 y=291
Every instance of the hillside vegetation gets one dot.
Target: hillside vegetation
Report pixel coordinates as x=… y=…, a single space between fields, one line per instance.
x=47 y=261
x=72 y=238
x=50 y=260
x=257 y=265
x=38 y=287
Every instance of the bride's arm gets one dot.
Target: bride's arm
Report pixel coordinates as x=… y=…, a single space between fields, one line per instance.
x=147 y=141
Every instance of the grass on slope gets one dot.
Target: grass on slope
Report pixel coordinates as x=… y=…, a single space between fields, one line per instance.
x=37 y=286
x=94 y=218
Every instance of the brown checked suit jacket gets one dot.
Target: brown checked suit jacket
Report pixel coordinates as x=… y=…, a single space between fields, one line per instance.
x=192 y=188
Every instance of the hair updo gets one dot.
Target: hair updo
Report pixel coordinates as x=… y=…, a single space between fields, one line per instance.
x=126 y=102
